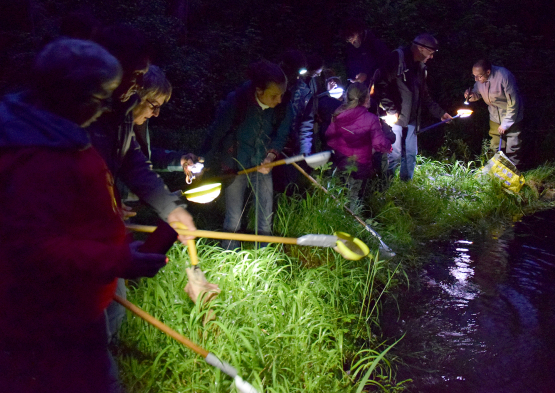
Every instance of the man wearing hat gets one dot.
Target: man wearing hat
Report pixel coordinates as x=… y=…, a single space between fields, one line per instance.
x=401 y=89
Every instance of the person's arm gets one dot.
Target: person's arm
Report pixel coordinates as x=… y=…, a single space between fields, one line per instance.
x=331 y=135
x=513 y=102
x=380 y=142
x=306 y=134
x=473 y=94
x=136 y=174
x=169 y=160
x=385 y=85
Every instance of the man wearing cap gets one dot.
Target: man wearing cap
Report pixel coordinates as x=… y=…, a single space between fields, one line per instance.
x=497 y=87
x=401 y=90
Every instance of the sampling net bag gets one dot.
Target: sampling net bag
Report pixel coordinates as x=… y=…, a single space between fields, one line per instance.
x=502 y=168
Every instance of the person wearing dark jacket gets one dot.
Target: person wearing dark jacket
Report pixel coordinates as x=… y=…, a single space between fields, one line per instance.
x=401 y=89
x=113 y=134
x=63 y=238
x=365 y=54
x=249 y=131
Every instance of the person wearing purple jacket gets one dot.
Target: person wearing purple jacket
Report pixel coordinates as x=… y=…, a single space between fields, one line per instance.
x=355 y=134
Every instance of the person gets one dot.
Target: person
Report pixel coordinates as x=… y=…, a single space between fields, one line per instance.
x=497 y=87
x=63 y=238
x=401 y=89
x=354 y=134
x=248 y=131
x=299 y=98
x=156 y=91
x=314 y=69
x=112 y=135
x=328 y=102
x=366 y=52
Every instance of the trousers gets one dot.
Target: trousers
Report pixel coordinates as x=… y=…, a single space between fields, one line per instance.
x=404 y=152
x=262 y=187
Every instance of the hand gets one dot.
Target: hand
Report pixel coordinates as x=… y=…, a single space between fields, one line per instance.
x=501 y=130
x=126 y=212
x=188 y=159
x=361 y=77
x=269 y=158
x=143 y=264
x=467 y=94
x=447 y=116
x=183 y=216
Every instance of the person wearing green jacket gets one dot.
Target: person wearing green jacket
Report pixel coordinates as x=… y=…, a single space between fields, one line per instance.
x=249 y=131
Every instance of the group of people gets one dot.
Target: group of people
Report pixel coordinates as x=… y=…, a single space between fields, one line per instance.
x=77 y=139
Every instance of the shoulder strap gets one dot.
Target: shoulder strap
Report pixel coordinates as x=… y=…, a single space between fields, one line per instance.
x=402 y=67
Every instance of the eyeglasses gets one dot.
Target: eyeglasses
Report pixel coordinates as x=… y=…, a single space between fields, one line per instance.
x=105 y=103
x=153 y=106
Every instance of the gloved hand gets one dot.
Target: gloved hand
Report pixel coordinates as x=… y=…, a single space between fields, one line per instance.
x=143 y=264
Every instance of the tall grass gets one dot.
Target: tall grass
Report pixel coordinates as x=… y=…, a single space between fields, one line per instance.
x=299 y=319
x=284 y=327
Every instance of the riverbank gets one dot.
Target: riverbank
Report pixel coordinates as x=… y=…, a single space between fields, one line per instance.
x=301 y=319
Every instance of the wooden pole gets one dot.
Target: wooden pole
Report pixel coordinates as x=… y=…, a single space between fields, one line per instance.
x=159 y=325
x=220 y=235
x=268 y=165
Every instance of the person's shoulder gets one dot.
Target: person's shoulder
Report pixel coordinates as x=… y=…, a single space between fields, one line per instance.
x=368 y=116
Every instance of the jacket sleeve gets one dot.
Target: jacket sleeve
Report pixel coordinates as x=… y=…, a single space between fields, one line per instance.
x=307 y=128
x=47 y=194
x=475 y=93
x=513 y=101
x=283 y=130
x=136 y=173
x=332 y=134
x=379 y=141
x=385 y=84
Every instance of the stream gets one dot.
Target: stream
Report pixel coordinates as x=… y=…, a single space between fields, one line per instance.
x=480 y=316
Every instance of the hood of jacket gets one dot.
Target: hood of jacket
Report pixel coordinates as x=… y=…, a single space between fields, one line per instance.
x=24 y=125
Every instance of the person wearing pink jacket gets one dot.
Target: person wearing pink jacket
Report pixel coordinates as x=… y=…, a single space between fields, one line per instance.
x=355 y=134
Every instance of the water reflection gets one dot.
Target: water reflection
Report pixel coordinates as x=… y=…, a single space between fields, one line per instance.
x=481 y=315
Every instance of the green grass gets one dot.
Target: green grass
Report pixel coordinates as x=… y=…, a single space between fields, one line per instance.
x=299 y=319
x=285 y=328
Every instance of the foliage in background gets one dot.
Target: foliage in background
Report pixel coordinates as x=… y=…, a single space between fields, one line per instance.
x=206 y=49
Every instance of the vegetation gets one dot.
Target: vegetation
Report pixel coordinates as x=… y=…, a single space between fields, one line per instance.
x=302 y=319
x=294 y=319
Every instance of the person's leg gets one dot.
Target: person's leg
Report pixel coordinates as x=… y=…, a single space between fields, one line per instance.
x=234 y=199
x=115 y=312
x=394 y=158
x=513 y=143
x=410 y=152
x=355 y=191
x=264 y=202
x=494 y=134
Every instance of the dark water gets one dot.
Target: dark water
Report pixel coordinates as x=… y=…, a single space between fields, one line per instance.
x=481 y=315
